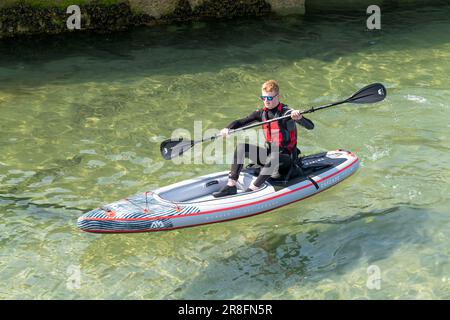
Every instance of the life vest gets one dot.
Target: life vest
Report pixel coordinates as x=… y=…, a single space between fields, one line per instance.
x=282 y=132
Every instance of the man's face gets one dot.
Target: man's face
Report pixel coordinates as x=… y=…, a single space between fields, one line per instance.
x=265 y=96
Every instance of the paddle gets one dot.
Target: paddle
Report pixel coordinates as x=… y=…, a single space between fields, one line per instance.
x=372 y=93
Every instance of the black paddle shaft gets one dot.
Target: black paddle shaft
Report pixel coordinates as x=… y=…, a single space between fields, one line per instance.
x=369 y=94
x=372 y=93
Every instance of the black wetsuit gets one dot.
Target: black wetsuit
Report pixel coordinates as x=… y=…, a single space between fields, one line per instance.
x=263 y=156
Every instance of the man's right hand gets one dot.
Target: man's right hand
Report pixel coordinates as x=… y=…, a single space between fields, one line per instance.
x=224 y=132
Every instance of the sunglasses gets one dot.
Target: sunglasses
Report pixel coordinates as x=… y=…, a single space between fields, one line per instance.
x=269 y=98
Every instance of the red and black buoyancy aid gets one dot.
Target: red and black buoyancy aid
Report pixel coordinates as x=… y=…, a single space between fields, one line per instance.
x=282 y=132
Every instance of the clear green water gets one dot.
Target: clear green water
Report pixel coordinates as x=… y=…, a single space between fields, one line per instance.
x=81 y=122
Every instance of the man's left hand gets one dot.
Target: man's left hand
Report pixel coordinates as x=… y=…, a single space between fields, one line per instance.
x=296 y=115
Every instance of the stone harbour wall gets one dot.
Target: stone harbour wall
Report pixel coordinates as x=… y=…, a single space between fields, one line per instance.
x=50 y=16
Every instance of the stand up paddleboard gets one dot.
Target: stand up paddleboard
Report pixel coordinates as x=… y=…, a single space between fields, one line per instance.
x=190 y=203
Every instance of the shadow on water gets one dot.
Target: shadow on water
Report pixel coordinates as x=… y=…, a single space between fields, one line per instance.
x=209 y=46
x=276 y=262
x=14 y=196
x=26 y=202
x=54 y=169
x=201 y=263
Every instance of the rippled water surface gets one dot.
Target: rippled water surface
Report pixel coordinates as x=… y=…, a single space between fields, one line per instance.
x=82 y=117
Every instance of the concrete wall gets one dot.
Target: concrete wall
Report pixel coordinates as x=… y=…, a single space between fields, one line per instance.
x=49 y=16
x=316 y=6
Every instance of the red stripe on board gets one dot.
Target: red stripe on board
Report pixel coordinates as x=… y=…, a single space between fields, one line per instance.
x=226 y=209
x=204 y=223
x=223 y=209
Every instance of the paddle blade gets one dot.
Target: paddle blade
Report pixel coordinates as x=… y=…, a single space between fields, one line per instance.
x=374 y=92
x=174 y=147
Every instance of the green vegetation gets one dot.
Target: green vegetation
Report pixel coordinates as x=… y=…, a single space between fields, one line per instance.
x=55 y=3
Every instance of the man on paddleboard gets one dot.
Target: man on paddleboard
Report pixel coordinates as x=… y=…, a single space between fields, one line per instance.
x=281 y=140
